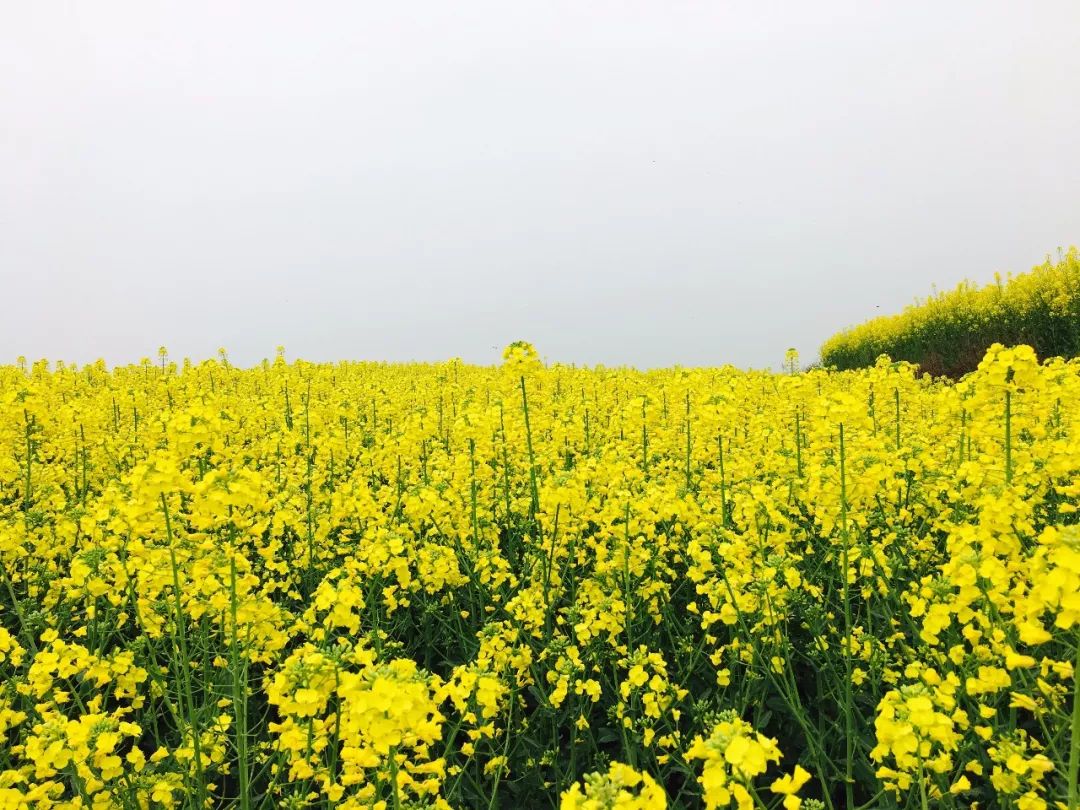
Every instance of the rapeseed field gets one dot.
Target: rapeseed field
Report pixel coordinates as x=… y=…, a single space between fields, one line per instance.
x=365 y=585
x=949 y=332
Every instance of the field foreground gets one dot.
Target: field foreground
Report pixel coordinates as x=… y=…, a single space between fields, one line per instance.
x=400 y=586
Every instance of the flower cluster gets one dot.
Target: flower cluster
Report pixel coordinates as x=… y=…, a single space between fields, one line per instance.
x=621 y=788
x=733 y=756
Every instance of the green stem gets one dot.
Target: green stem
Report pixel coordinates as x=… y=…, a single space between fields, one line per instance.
x=723 y=485
x=532 y=458
x=849 y=731
x=1074 y=737
x=472 y=492
x=688 y=479
x=393 y=779
x=28 y=486
x=644 y=441
x=798 y=442
x=1008 y=437
x=896 y=397
x=239 y=689
x=184 y=665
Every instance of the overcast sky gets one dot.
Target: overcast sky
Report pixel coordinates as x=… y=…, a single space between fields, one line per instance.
x=649 y=183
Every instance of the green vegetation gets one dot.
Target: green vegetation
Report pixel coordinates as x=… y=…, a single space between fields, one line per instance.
x=949 y=332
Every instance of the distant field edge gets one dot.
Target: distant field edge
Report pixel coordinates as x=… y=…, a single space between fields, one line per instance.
x=948 y=333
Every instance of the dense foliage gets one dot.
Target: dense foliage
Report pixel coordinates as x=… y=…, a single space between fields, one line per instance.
x=387 y=586
x=949 y=332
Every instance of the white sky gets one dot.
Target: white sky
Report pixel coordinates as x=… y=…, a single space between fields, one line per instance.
x=647 y=183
